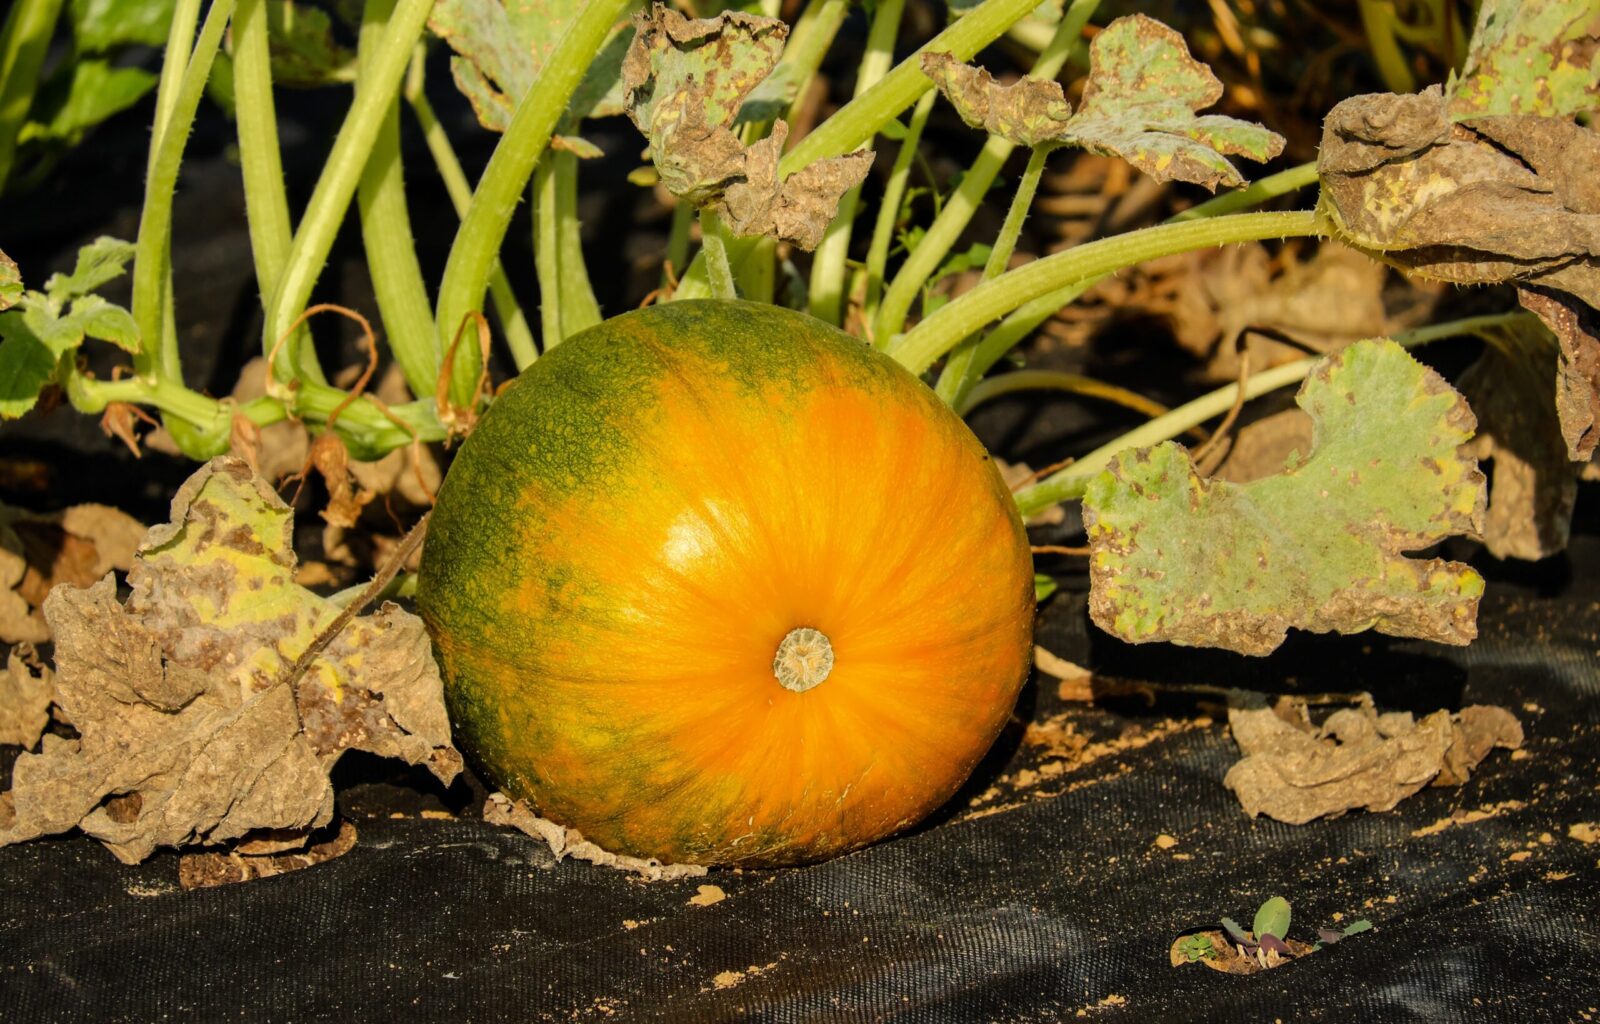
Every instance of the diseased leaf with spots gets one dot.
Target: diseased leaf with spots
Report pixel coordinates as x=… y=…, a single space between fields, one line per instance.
x=501 y=46
x=303 y=50
x=1483 y=201
x=1139 y=104
x=1029 y=112
x=686 y=82
x=10 y=282
x=1531 y=57
x=1319 y=546
x=192 y=726
x=1533 y=485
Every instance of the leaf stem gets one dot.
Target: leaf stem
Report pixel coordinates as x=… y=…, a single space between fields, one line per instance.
x=933 y=337
x=861 y=118
x=1008 y=333
x=1070 y=483
x=153 y=249
x=1055 y=380
x=483 y=228
x=828 y=263
x=716 y=253
x=340 y=176
x=953 y=381
x=958 y=210
x=513 y=323
x=265 y=200
x=894 y=194
x=386 y=230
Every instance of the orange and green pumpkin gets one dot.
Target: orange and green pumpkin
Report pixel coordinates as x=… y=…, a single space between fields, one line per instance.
x=716 y=582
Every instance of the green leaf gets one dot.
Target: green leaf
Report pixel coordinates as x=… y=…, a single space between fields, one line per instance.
x=1272 y=919
x=501 y=48
x=92 y=91
x=1319 y=546
x=1043 y=587
x=10 y=282
x=1140 y=101
x=1530 y=58
x=104 y=259
x=26 y=366
x=100 y=25
x=304 y=52
x=97 y=318
x=1357 y=927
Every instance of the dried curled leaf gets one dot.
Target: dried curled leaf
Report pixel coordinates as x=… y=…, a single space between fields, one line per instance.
x=27 y=689
x=1139 y=104
x=76 y=545
x=1320 y=546
x=564 y=842
x=1029 y=112
x=1531 y=58
x=1487 y=200
x=686 y=81
x=1534 y=485
x=1577 y=330
x=209 y=869
x=191 y=728
x=1294 y=772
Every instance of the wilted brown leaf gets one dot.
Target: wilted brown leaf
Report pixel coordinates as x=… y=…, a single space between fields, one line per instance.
x=1487 y=200
x=1267 y=446
x=1533 y=486
x=281 y=448
x=39 y=550
x=190 y=728
x=685 y=82
x=1295 y=772
x=564 y=842
x=26 y=690
x=205 y=870
x=1028 y=112
x=1577 y=331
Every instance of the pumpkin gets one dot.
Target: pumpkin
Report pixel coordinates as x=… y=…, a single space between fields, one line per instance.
x=715 y=582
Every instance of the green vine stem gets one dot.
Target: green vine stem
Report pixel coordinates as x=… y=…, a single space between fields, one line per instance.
x=1378 y=18
x=513 y=323
x=862 y=118
x=1010 y=332
x=24 y=42
x=340 y=175
x=1070 y=483
x=386 y=231
x=829 y=263
x=923 y=344
x=265 y=201
x=957 y=369
x=566 y=298
x=894 y=195
x=959 y=208
x=808 y=44
x=152 y=252
x=483 y=228
x=716 y=252
x=1056 y=380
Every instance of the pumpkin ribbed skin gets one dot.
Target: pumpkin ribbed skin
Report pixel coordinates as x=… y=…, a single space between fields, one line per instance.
x=641 y=519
